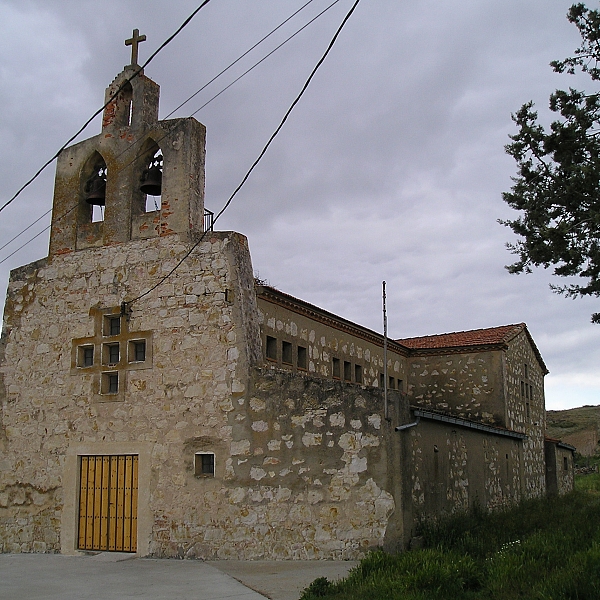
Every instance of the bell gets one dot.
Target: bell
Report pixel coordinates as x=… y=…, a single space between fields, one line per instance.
x=95 y=190
x=152 y=181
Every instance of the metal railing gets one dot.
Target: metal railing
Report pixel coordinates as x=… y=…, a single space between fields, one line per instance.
x=209 y=218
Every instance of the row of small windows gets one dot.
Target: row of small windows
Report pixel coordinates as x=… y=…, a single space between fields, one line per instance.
x=287 y=353
x=340 y=369
x=111 y=353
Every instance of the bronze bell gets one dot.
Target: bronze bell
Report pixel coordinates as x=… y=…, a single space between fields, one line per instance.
x=152 y=181
x=95 y=190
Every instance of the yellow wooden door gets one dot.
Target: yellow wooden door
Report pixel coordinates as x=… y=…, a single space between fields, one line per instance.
x=108 y=503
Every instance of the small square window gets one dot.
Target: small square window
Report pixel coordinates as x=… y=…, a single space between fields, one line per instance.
x=110 y=354
x=110 y=383
x=112 y=325
x=271 y=348
x=358 y=377
x=137 y=351
x=335 y=368
x=286 y=353
x=347 y=371
x=204 y=464
x=85 y=356
x=301 y=357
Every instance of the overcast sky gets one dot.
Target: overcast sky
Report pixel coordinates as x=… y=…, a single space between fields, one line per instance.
x=391 y=167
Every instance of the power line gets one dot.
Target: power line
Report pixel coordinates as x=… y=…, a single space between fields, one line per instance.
x=255 y=163
x=192 y=114
x=82 y=128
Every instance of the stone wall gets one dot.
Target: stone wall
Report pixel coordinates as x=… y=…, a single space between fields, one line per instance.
x=469 y=384
x=454 y=468
x=204 y=335
x=325 y=341
x=313 y=474
x=527 y=415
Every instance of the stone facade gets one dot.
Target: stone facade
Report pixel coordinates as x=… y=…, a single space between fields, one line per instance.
x=262 y=426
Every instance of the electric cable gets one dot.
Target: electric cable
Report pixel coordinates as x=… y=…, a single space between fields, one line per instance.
x=169 y=131
x=137 y=72
x=127 y=304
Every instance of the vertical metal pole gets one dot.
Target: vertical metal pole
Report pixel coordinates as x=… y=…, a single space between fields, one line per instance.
x=385 y=374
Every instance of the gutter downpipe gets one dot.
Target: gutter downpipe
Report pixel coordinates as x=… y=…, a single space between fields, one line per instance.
x=408 y=425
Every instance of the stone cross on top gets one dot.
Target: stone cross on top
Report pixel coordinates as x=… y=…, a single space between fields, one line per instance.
x=134 y=42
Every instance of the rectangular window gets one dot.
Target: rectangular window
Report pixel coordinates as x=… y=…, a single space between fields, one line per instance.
x=85 y=356
x=527 y=413
x=112 y=325
x=531 y=392
x=138 y=350
x=336 y=368
x=391 y=383
x=286 y=353
x=565 y=463
x=381 y=380
x=526 y=374
x=358 y=378
x=347 y=371
x=204 y=464
x=110 y=354
x=522 y=389
x=271 y=348
x=301 y=357
x=109 y=383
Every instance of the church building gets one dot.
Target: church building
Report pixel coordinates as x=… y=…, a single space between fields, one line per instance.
x=157 y=399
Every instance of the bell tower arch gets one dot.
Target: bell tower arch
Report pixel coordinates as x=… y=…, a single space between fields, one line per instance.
x=107 y=174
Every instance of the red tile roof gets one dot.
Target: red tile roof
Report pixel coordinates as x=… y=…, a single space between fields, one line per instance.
x=459 y=339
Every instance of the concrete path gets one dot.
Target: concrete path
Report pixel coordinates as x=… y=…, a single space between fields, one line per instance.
x=109 y=576
x=284 y=579
x=116 y=576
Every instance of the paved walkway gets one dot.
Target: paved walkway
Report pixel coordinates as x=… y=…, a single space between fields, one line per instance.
x=115 y=576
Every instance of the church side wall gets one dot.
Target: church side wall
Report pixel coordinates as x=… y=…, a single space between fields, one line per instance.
x=455 y=468
x=468 y=385
x=324 y=343
x=311 y=476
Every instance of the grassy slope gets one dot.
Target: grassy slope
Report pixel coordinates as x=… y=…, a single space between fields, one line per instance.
x=547 y=549
x=563 y=422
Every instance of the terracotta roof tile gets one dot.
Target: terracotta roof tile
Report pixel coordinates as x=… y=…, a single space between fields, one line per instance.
x=475 y=337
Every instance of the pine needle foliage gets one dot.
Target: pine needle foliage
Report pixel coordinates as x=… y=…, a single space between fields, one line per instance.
x=557 y=188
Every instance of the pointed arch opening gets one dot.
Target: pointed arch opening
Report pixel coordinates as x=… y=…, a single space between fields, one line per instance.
x=151 y=177
x=123 y=103
x=93 y=189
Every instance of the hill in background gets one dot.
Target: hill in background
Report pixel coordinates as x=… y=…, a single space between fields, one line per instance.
x=576 y=426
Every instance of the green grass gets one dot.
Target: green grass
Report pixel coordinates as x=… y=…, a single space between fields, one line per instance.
x=545 y=549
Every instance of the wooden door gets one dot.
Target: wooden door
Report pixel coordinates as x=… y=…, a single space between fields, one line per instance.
x=108 y=496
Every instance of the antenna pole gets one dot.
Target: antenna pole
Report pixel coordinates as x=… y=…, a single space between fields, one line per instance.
x=385 y=344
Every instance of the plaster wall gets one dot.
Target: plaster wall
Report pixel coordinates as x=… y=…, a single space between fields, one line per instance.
x=454 y=468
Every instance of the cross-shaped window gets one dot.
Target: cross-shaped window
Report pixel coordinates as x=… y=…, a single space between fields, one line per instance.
x=111 y=353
